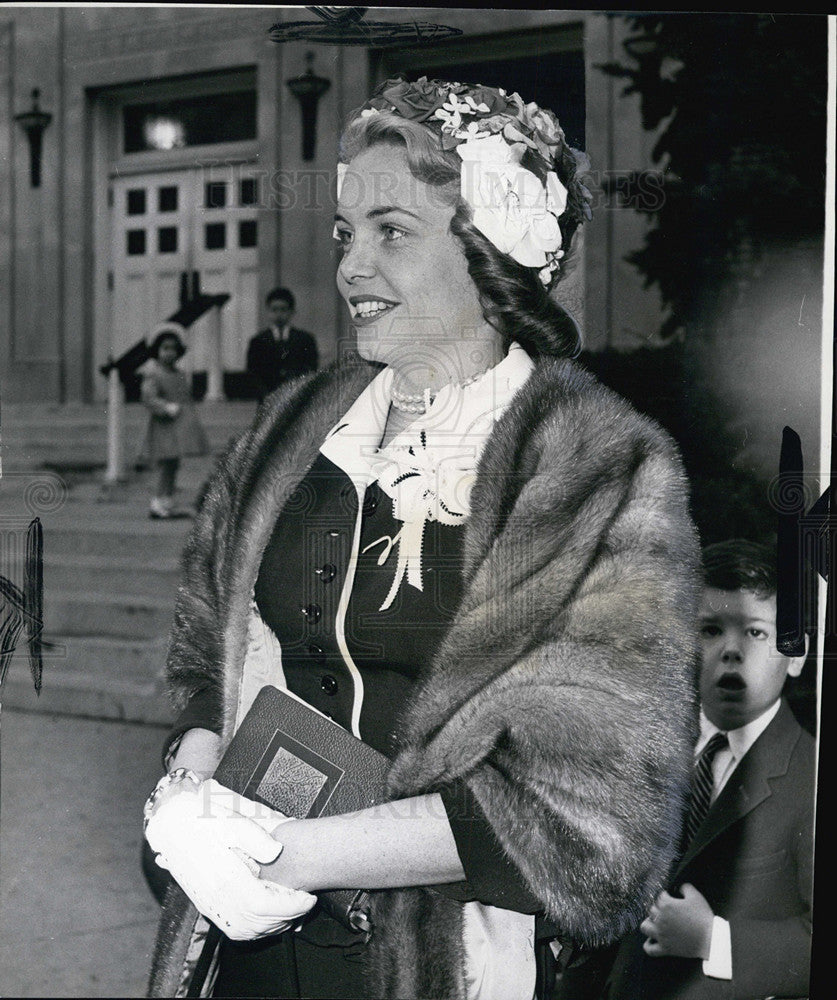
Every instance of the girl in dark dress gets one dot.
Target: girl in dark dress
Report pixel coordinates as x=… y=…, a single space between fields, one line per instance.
x=468 y=553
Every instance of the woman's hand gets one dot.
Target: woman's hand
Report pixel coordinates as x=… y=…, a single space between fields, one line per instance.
x=213 y=840
x=198 y=750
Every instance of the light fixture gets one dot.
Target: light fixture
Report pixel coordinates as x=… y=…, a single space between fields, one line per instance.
x=33 y=122
x=163 y=132
x=308 y=89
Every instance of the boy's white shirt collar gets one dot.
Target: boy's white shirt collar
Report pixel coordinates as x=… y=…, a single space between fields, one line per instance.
x=741 y=739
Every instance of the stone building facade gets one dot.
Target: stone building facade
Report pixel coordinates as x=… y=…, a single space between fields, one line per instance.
x=90 y=260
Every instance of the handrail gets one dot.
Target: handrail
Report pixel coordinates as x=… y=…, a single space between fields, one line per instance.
x=188 y=314
x=123 y=368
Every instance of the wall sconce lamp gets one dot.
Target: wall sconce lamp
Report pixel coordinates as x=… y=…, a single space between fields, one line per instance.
x=308 y=89
x=33 y=123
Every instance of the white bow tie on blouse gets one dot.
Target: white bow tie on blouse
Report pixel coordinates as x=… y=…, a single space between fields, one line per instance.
x=429 y=469
x=425 y=484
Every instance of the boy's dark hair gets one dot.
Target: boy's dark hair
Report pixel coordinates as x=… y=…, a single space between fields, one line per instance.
x=739 y=564
x=163 y=336
x=281 y=294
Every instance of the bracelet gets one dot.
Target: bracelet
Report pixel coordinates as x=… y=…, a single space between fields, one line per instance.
x=175 y=777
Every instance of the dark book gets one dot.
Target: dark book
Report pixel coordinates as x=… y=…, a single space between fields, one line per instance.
x=294 y=759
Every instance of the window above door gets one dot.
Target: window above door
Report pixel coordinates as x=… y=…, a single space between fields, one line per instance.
x=189 y=121
x=182 y=121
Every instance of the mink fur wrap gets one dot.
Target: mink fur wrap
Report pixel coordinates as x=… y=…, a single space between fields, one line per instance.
x=564 y=691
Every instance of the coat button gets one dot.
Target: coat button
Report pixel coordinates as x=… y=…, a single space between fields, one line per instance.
x=371 y=500
x=312 y=612
x=329 y=684
x=316 y=652
x=327 y=572
x=333 y=533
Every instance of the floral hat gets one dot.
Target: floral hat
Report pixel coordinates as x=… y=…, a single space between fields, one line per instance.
x=509 y=152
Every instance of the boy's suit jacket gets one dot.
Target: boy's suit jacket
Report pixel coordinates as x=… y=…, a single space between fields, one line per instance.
x=752 y=860
x=271 y=362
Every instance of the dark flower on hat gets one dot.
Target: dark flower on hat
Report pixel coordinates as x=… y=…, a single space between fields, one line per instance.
x=495 y=99
x=417 y=101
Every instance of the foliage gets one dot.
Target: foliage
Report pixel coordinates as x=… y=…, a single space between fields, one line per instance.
x=741 y=102
x=727 y=499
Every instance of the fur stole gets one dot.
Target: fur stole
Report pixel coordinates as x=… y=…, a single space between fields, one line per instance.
x=563 y=693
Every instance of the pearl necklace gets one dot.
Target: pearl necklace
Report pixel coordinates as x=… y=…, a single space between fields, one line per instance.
x=418 y=403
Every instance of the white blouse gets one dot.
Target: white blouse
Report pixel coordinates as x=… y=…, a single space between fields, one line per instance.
x=429 y=469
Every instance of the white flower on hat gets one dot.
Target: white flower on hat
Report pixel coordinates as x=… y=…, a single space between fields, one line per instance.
x=471 y=131
x=494 y=149
x=511 y=206
x=453 y=109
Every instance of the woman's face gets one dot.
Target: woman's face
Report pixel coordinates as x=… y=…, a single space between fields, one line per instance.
x=404 y=275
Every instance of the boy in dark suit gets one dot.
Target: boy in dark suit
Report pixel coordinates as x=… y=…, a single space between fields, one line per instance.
x=736 y=923
x=281 y=351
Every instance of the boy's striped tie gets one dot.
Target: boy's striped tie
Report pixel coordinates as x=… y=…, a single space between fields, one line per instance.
x=702 y=785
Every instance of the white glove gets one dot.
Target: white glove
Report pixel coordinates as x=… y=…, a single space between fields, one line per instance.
x=172 y=409
x=212 y=840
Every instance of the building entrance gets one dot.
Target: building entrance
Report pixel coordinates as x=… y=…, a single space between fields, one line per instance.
x=201 y=219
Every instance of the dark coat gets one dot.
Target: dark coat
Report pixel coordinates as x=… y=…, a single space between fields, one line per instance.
x=170 y=437
x=752 y=860
x=564 y=691
x=271 y=362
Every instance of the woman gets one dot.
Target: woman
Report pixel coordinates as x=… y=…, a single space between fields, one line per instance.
x=477 y=559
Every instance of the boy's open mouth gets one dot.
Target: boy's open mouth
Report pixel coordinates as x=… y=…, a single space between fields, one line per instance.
x=731 y=682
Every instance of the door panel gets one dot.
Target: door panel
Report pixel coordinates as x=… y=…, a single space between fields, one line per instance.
x=226 y=247
x=199 y=219
x=150 y=247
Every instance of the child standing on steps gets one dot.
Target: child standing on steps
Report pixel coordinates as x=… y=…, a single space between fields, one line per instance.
x=173 y=426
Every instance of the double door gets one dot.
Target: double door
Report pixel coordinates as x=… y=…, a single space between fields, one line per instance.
x=200 y=219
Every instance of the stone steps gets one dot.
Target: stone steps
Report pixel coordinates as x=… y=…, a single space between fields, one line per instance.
x=100 y=678
x=128 y=574
x=110 y=573
x=72 y=415
x=89 y=613
x=155 y=540
x=134 y=662
x=35 y=437
x=41 y=492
